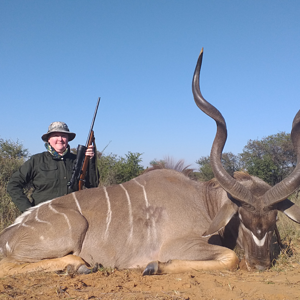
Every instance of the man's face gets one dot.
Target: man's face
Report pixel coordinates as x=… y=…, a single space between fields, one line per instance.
x=58 y=141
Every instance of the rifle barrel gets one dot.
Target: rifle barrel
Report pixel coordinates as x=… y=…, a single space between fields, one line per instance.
x=95 y=113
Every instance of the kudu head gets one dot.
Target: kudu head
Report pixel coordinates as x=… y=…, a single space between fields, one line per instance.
x=253 y=201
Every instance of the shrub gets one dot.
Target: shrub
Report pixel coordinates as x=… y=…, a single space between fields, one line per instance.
x=12 y=156
x=115 y=170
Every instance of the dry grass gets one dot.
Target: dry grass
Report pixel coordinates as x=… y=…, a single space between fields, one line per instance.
x=289 y=230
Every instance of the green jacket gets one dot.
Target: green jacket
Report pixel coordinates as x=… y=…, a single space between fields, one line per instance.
x=49 y=177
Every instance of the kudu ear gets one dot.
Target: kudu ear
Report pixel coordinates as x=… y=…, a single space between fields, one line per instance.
x=221 y=219
x=290 y=209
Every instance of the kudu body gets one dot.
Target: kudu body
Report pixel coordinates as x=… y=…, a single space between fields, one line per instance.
x=161 y=221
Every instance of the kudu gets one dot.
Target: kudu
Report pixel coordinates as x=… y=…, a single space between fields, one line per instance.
x=161 y=221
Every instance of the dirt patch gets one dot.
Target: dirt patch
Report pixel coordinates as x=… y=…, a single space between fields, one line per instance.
x=129 y=284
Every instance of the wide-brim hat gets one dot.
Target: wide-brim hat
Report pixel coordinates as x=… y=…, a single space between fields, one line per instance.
x=58 y=127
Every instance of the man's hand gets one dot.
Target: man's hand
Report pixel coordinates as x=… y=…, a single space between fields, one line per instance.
x=90 y=151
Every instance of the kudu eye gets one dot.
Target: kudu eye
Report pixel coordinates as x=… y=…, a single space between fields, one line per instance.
x=248 y=207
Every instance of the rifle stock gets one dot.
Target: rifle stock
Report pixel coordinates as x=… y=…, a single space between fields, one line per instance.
x=85 y=162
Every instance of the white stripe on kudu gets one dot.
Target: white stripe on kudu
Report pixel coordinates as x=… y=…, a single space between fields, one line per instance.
x=145 y=195
x=25 y=219
x=147 y=212
x=64 y=215
x=77 y=203
x=130 y=212
x=37 y=217
x=108 y=216
x=25 y=225
x=258 y=242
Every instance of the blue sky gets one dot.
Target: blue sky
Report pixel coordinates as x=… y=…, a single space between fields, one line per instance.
x=58 y=57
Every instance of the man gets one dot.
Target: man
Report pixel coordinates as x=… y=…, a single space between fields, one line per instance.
x=50 y=171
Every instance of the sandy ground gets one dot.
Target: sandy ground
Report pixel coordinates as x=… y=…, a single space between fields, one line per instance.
x=129 y=284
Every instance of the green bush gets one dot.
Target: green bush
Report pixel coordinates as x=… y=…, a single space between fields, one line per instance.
x=12 y=156
x=272 y=158
x=115 y=170
x=230 y=162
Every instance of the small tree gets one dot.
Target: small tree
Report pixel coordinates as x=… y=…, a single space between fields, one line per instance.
x=264 y=168
x=12 y=156
x=205 y=170
x=271 y=158
x=13 y=150
x=115 y=170
x=130 y=167
x=230 y=162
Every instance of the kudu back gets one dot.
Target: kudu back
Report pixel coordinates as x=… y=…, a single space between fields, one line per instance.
x=161 y=221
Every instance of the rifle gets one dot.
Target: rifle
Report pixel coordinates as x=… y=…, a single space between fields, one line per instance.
x=79 y=170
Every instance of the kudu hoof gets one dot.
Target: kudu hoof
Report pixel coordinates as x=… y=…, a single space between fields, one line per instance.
x=151 y=268
x=83 y=269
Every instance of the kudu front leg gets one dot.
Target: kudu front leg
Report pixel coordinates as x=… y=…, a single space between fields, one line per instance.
x=225 y=261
